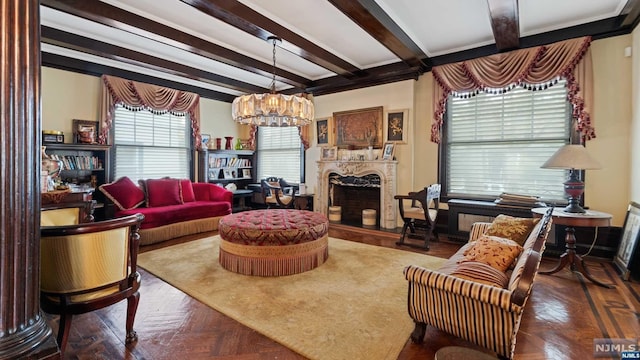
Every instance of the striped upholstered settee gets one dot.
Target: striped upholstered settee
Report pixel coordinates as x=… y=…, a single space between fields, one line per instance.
x=486 y=315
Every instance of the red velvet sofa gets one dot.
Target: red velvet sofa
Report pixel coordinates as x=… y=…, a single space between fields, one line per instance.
x=171 y=207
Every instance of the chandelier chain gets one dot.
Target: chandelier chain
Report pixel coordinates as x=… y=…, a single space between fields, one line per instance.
x=273 y=79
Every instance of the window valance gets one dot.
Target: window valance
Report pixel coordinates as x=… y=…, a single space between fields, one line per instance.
x=537 y=67
x=303 y=131
x=140 y=96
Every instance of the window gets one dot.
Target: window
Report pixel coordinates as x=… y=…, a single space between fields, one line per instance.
x=151 y=146
x=279 y=153
x=495 y=143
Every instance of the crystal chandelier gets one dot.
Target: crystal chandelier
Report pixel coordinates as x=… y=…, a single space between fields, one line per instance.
x=272 y=109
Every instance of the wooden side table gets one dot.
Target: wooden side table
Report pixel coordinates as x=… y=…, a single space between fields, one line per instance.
x=590 y=218
x=240 y=196
x=303 y=201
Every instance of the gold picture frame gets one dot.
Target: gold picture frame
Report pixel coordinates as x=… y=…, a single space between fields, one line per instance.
x=85 y=131
x=396 y=126
x=359 y=128
x=387 y=150
x=329 y=153
x=324 y=132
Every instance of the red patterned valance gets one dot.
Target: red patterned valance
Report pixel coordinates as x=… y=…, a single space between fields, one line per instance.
x=141 y=96
x=539 y=66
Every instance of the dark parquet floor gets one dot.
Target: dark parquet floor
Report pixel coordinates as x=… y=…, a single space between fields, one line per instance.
x=563 y=316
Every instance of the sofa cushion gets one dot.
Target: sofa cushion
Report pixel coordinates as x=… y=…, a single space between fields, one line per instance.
x=514 y=228
x=494 y=251
x=123 y=193
x=165 y=215
x=186 y=189
x=481 y=273
x=163 y=192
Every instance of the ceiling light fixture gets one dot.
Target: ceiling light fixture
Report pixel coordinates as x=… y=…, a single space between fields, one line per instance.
x=272 y=109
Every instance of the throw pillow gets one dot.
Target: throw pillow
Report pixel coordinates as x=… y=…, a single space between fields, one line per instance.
x=494 y=251
x=481 y=273
x=123 y=193
x=514 y=228
x=186 y=189
x=163 y=192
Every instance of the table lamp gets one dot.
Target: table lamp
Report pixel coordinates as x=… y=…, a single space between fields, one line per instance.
x=574 y=158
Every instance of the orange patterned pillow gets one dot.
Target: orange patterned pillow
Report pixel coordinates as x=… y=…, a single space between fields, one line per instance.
x=494 y=251
x=514 y=228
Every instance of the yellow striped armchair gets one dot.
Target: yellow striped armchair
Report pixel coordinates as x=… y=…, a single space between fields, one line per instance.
x=482 y=314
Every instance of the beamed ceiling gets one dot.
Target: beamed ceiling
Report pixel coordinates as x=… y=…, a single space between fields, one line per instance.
x=220 y=49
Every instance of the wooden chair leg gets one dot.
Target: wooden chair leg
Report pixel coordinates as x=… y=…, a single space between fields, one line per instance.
x=402 y=234
x=417 y=336
x=132 y=308
x=63 y=331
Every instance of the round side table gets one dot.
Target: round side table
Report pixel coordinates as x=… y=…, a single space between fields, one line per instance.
x=590 y=218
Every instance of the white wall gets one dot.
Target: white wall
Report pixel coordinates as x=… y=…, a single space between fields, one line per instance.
x=608 y=189
x=66 y=96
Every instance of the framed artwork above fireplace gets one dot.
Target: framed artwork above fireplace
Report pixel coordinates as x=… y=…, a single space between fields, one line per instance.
x=360 y=128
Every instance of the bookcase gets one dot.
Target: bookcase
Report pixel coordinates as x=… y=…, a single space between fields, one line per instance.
x=85 y=167
x=227 y=166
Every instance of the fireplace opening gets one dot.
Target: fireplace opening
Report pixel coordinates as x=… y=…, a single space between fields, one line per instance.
x=354 y=194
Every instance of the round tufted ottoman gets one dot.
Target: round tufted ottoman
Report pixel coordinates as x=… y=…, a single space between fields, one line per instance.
x=273 y=242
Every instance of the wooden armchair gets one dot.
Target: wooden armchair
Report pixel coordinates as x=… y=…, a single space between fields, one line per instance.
x=420 y=215
x=276 y=192
x=85 y=267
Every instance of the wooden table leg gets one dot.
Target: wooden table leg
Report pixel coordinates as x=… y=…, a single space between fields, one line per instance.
x=574 y=260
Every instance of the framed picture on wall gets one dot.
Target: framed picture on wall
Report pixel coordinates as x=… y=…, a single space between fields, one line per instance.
x=396 y=126
x=628 y=249
x=359 y=128
x=324 y=132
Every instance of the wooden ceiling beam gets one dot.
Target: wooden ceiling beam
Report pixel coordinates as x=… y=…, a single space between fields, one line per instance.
x=115 y=17
x=250 y=21
x=377 y=23
x=90 y=46
x=374 y=76
x=86 y=67
x=505 y=23
x=630 y=13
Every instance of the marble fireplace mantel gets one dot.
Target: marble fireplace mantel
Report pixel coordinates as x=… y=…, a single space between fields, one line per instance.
x=385 y=169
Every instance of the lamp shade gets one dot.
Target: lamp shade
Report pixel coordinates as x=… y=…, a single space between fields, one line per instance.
x=571 y=157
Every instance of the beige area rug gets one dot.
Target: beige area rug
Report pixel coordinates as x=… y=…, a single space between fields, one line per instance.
x=354 y=306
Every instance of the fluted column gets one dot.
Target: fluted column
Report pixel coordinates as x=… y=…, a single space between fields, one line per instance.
x=24 y=333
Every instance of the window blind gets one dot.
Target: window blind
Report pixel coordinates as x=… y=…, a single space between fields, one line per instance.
x=151 y=146
x=497 y=142
x=279 y=153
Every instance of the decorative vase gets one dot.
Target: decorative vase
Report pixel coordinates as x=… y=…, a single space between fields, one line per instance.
x=238 y=145
x=228 y=145
x=370 y=152
x=218 y=143
x=50 y=170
